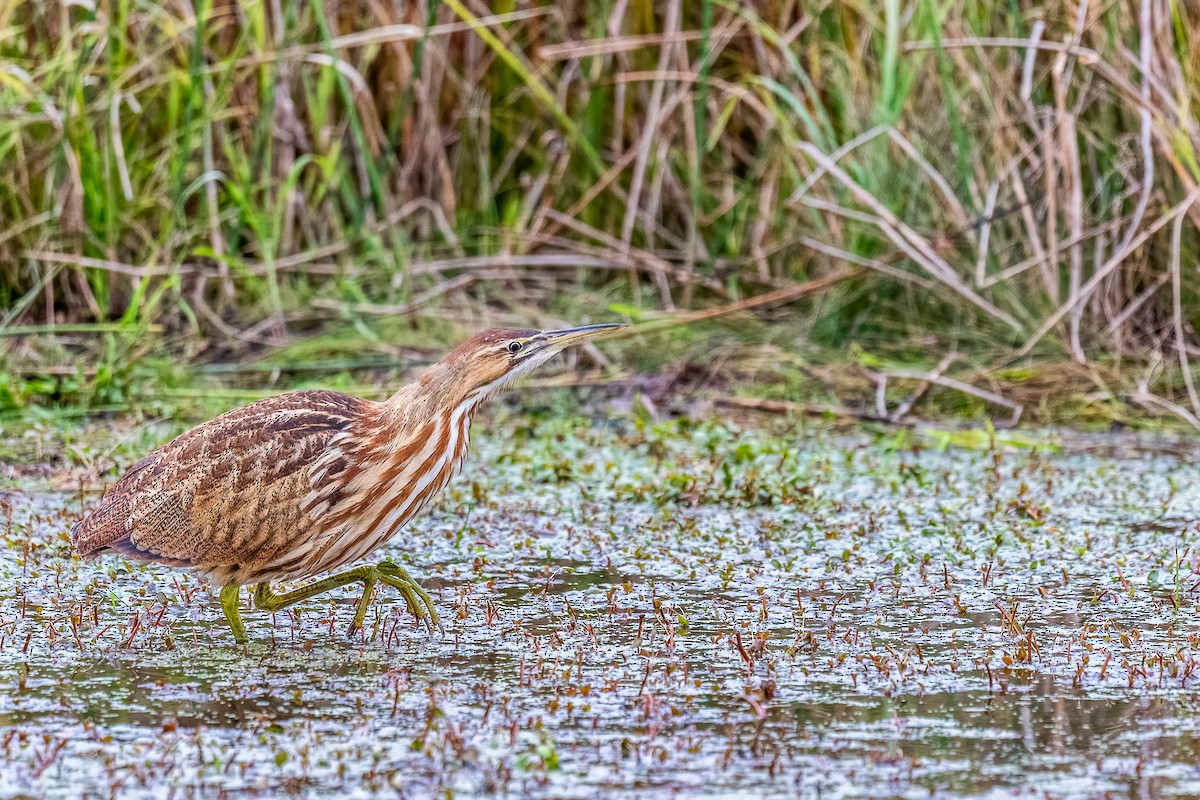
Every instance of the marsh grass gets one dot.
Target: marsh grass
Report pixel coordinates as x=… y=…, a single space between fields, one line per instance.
x=212 y=181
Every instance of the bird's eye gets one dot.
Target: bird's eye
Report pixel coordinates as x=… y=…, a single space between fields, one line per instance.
x=514 y=347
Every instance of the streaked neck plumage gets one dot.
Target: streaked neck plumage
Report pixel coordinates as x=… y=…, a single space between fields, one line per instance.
x=439 y=390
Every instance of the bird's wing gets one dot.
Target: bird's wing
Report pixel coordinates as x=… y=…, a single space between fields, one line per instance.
x=226 y=490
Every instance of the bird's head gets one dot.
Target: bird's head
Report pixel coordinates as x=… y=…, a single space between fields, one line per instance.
x=491 y=360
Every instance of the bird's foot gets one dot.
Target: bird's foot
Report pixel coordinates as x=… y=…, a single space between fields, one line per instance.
x=416 y=598
x=394 y=575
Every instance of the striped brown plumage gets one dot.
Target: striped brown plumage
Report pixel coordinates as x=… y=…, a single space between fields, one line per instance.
x=303 y=483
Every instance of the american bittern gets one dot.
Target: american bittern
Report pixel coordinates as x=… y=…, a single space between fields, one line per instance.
x=304 y=483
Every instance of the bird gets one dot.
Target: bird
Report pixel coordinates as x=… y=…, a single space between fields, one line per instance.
x=305 y=483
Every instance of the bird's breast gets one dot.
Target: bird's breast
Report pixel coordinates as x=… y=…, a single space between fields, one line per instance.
x=393 y=484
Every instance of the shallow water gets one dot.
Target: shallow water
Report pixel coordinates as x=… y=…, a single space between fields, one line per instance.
x=679 y=611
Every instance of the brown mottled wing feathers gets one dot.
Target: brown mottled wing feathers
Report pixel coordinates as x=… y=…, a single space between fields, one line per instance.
x=225 y=492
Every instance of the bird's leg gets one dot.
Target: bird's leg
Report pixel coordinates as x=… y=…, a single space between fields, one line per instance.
x=266 y=600
x=229 y=604
x=367 y=575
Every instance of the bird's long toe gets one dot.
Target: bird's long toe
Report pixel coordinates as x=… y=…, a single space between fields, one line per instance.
x=409 y=592
x=418 y=600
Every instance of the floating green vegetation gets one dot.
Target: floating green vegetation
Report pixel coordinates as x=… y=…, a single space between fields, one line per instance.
x=638 y=609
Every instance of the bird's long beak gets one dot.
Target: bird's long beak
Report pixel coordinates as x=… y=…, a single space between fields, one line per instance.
x=565 y=337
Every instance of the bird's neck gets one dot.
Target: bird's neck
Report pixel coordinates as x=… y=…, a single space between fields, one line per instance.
x=438 y=391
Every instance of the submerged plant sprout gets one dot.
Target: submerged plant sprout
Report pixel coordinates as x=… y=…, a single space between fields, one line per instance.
x=686 y=609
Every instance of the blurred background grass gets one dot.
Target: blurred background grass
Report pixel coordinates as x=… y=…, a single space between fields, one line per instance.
x=261 y=194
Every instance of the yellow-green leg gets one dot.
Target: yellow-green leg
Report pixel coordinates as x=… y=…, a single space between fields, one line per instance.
x=229 y=604
x=368 y=575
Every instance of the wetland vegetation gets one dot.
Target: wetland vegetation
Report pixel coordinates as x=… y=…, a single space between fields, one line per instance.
x=802 y=198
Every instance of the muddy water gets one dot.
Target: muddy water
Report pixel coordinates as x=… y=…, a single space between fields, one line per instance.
x=669 y=612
